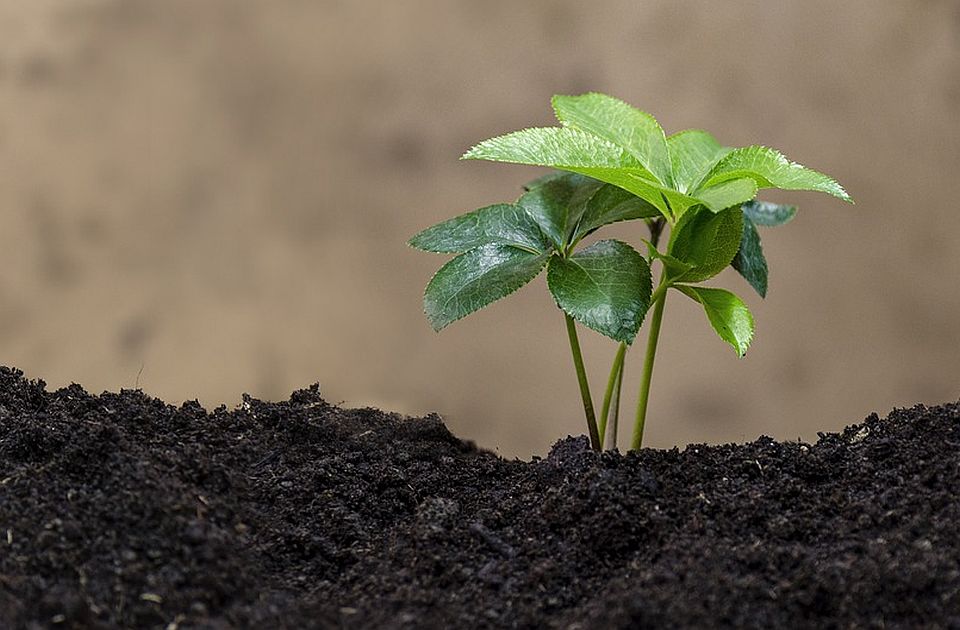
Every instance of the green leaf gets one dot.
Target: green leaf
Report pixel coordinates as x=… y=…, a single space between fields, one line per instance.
x=728 y=194
x=692 y=154
x=675 y=267
x=768 y=214
x=540 y=181
x=669 y=202
x=475 y=279
x=557 y=203
x=727 y=313
x=770 y=169
x=706 y=241
x=558 y=147
x=749 y=261
x=577 y=151
x=605 y=287
x=508 y=224
x=622 y=124
x=611 y=204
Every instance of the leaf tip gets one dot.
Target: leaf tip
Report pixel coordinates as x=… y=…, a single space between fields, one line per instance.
x=555 y=104
x=744 y=344
x=471 y=153
x=840 y=192
x=437 y=324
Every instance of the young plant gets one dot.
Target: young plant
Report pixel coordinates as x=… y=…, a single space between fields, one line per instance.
x=502 y=247
x=620 y=166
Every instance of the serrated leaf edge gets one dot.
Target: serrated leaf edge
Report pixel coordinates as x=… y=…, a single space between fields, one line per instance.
x=684 y=288
x=470 y=153
x=546 y=258
x=520 y=246
x=651 y=117
x=631 y=339
x=746 y=221
x=783 y=159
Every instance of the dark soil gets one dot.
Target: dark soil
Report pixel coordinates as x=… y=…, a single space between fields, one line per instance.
x=120 y=511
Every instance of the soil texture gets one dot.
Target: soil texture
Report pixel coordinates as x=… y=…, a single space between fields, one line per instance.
x=121 y=511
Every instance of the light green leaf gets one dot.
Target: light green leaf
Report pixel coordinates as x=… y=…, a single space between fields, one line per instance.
x=706 y=241
x=558 y=147
x=727 y=194
x=557 y=203
x=620 y=123
x=580 y=152
x=605 y=287
x=475 y=279
x=669 y=202
x=692 y=154
x=727 y=313
x=768 y=214
x=770 y=169
x=750 y=261
x=611 y=204
x=504 y=223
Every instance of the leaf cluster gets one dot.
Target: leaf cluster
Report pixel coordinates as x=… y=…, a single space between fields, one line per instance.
x=502 y=247
x=617 y=164
x=606 y=139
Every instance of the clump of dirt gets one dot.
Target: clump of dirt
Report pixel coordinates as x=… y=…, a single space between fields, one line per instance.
x=121 y=511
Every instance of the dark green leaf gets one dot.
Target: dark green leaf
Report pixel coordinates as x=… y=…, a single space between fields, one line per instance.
x=749 y=261
x=508 y=224
x=611 y=204
x=557 y=204
x=727 y=313
x=475 y=279
x=622 y=124
x=605 y=287
x=768 y=214
x=675 y=268
x=534 y=183
x=706 y=241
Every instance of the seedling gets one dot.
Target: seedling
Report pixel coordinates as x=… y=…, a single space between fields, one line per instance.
x=618 y=165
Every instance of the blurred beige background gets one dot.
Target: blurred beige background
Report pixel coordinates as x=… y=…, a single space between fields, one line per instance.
x=218 y=193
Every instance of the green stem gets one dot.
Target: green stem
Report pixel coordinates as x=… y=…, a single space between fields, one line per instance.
x=584 y=384
x=616 y=370
x=610 y=413
x=615 y=412
x=660 y=299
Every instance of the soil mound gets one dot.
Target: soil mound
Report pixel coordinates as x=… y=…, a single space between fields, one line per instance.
x=121 y=511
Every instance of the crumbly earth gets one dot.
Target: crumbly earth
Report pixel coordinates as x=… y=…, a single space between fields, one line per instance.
x=121 y=511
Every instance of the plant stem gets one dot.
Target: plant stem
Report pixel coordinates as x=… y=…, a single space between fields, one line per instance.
x=584 y=384
x=660 y=296
x=616 y=372
x=611 y=400
x=615 y=410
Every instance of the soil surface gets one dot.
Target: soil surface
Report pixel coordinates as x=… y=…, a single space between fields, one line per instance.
x=121 y=511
